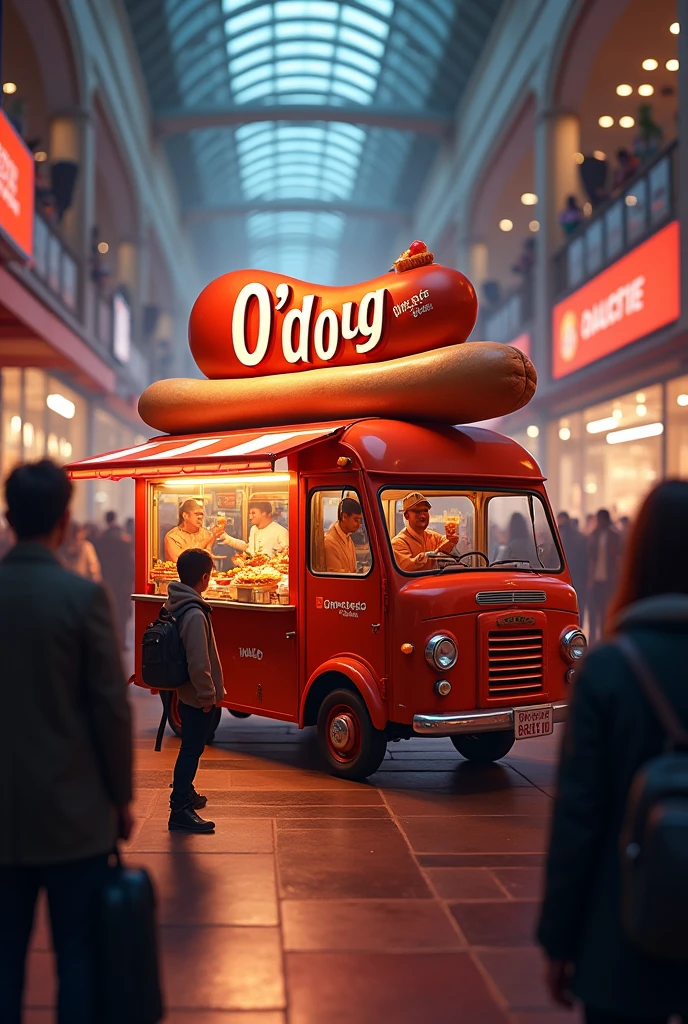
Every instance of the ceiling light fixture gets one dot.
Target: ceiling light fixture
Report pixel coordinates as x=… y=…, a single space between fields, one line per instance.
x=624 y=89
x=599 y=154
x=529 y=199
x=103 y=247
x=564 y=433
x=599 y=426
x=682 y=400
x=606 y=121
x=578 y=157
x=646 y=89
x=675 y=28
x=534 y=226
x=672 y=65
x=506 y=224
x=533 y=430
x=640 y=397
x=9 y=88
x=61 y=405
x=40 y=157
x=641 y=410
x=650 y=64
x=631 y=200
x=626 y=121
x=635 y=433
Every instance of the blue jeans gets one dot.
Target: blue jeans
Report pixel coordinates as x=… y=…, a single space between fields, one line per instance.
x=197 y=727
x=72 y=891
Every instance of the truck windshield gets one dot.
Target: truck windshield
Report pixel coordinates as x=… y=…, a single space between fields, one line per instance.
x=434 y=530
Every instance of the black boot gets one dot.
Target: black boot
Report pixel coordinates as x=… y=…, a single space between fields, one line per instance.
x=187 y=820
x=198 y=800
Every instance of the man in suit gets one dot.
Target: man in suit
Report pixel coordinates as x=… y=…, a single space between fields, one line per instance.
x=65 y=755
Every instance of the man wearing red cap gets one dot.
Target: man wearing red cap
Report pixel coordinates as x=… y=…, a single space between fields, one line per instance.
x=412 y=545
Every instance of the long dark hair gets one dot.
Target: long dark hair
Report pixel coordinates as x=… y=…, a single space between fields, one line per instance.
x=656 y=556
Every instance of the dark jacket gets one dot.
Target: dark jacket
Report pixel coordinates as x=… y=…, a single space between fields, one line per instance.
x=116 y=555
x=576 y=551
x=613 y=554
x=612 y=731
x=205 y=686
x=65 y=752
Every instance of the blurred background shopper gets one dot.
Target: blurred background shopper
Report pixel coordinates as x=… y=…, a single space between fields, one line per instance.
x=65 y=791
x=612 y=731
x=115 y=550
x=604 y=552
x=78 y=554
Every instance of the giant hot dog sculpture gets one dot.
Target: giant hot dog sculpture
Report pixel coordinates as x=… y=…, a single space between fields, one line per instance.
x=281 y=351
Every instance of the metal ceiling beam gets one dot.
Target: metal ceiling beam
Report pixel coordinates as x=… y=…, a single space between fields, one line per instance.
x=198 y=214
x=176 y=121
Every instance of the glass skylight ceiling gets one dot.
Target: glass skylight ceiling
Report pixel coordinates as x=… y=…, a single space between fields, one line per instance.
x=319 y=55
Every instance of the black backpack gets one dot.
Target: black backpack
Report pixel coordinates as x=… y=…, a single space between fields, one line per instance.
x=654 y=839
x=163 y=660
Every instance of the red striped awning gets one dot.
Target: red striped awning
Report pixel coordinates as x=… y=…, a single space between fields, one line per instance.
x=191 y=453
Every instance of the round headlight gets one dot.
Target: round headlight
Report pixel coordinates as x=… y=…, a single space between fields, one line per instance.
x=573 y=644
x=441 y=652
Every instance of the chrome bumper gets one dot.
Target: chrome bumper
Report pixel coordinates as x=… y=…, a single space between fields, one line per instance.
x=498 y=720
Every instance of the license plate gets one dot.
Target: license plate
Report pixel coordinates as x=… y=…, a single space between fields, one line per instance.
x=532 y=722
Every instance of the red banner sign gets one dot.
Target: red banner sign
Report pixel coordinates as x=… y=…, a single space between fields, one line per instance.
x=635 y=296
x=254 y=323
x=16 y=189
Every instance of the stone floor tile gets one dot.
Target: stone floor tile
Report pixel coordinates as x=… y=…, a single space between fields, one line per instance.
x=549 y=1017
x=357 y=796
x=477 y=834
x=522 y=883
x=369 y=988
x=517 y=973
x=221 y=968
x=223 y=1017
x=482 y=860
x=195 y=888
x=465 y=884
x=509 y=800
x=379 y=925
x=282 y=779
x=348 y=860
x=498 y=924
x=244 y=835
x=455 y=781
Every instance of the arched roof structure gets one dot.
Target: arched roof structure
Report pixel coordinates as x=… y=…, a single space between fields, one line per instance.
x=301 y=130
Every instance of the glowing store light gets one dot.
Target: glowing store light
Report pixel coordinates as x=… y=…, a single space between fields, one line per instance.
x=61 y=405
x=529 y=199
x=624 y=90
x=100 y=497
x=635 y=433
x=590 y=488
x=534 y=225
x=273 y=478
x=53 y=446
x=65 y=448
x=617 y=414
x=650 y=64
x=9 y=88
x=682 y=400
x=28 y=435
x=587 y=209
x=40 y=156
x=641 y=410
x=578 y=158
x=646 y=89
x=564 y=433
x=631 y=200
x=675 y=28
x=506 y=224
x=606 y=121
x=640 y=397
x=15 y=425
x=599 y=154
x=626 y=121
x=533 y=430
x=103 y=247
x=672 y=65
x=599 y=426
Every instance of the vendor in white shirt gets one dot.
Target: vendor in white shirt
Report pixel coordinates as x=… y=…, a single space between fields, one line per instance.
x=265 y=536
x=191 y=533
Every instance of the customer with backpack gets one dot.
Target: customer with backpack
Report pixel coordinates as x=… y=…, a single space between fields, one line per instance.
x=204 y=689
x=614 y=924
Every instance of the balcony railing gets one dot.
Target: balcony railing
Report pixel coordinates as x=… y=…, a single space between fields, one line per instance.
x=511 y=317
x=648 y=201
x=55 y=264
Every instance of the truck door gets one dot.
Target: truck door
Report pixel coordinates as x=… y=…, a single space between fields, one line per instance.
x=344 y=599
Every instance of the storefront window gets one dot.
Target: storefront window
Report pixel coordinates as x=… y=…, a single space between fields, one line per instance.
x=242 y=521
x=339 y=540
x=677 y=428
x=12 y=409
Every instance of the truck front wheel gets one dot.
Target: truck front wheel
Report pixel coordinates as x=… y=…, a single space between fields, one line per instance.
x=349 y=743
x=484 y=747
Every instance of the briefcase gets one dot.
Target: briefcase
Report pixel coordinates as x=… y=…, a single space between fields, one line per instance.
x=128 y=979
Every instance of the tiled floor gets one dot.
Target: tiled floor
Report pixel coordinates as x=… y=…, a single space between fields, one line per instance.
x=316 y=901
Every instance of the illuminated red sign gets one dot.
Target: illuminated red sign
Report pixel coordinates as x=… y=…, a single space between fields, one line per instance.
x=252 y=323
x=635 y=296
x=16 y=189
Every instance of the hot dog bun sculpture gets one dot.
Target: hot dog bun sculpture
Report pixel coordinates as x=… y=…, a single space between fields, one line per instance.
x=280 y=351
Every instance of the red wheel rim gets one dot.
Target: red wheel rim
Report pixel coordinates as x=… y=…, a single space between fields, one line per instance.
x=173 y=713
x=343 y=732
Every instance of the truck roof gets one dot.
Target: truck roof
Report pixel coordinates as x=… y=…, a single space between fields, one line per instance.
x=381 y=446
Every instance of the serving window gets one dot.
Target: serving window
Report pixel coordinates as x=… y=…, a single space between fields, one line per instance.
x=243 y=522
x=339 y=543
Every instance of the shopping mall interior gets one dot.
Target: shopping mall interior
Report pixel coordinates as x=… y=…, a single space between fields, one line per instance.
x=148 y=147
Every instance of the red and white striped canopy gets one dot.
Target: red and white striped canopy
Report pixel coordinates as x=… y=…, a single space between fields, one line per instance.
x=244 y=449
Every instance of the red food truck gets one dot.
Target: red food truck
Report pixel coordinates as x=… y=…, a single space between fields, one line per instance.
x=377 y=628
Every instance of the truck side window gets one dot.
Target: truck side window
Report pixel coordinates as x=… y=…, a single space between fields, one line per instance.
x=339 y=541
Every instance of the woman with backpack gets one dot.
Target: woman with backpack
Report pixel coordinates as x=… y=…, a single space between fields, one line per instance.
x=613 y=923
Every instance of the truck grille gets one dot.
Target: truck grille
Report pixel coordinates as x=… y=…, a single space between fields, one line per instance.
x=514 y=662
x=511 y=597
